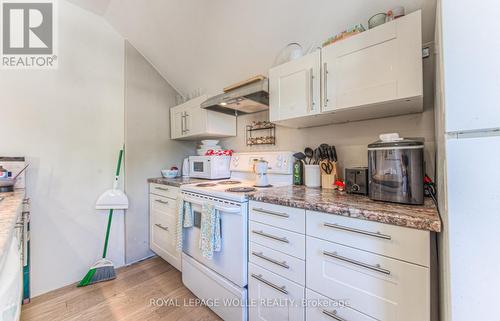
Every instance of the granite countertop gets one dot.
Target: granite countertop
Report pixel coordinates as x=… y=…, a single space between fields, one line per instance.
x=177 y=181
x=8 y=216
x=423 y=217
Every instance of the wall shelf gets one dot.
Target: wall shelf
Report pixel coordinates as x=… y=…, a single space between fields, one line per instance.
x=264 y=127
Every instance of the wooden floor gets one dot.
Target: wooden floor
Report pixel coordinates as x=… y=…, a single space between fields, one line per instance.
x=128 y=297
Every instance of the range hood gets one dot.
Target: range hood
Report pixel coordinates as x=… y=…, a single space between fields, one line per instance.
x=246 y=99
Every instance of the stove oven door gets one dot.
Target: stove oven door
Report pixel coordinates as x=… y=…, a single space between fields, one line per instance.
x=231 y=261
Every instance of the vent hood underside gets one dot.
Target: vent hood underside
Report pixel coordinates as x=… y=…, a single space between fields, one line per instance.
x=251 y=98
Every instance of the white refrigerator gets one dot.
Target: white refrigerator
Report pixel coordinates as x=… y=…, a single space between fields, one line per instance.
x=468 y=118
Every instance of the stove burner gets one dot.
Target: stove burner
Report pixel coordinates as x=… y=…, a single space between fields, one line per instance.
x=228 y=182
x=242 y=189
x=264 y=186
x=206 y=184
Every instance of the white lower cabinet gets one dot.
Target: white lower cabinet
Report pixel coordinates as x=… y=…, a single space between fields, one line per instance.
x=352 y=269
x=321 y=308
x=11 y=282
x=162 y=221
x=272 y=297
x=378 y=286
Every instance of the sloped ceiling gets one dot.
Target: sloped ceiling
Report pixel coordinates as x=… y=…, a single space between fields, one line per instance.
x=206 y=45
x=96 y=6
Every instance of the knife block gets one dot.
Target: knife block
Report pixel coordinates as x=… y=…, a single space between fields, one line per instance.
x=328 y=180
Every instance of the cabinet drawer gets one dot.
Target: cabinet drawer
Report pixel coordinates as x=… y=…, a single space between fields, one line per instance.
x=381 y=287
x=320 y=308
x=280 y=263
x=278 y=239
x=289 y=218
x=272 y=297
x=164 y=190
x=163 y=240
x=162 y=205
x=162 y=231
x=402 y=243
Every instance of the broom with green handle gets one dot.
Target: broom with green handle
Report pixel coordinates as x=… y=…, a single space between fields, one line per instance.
x=104 y=270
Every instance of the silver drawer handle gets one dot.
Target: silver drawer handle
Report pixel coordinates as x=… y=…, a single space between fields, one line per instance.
x=162 y=189
x=333 y=315
x=277 y=238
x=261 y=210
x=162 y=227
x=375 y=268
x=262 y=256
x=355 y=230
x=274 y=286
x=162 y=202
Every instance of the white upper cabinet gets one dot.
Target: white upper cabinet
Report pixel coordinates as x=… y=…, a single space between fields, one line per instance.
x=189 y=121
x=294 y=88
x=375 y=74
x=380 y=65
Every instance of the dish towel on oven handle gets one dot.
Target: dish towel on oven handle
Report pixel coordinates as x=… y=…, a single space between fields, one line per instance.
x=210 y=232
x=185 y=218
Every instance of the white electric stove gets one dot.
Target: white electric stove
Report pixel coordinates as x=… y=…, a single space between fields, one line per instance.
x=224 y=278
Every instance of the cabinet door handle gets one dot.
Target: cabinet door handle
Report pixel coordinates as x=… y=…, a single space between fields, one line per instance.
x=165 y=228
x=358 y=231
x=266 y=282
x=182 y=123
x=262 y=256
x=277 y=238
x=375 y=268
x=333 y=315
x=161 y=189
x=186 y=129
x=162 y=202
x=261 y=210
x=325 y=84
x=313 y=104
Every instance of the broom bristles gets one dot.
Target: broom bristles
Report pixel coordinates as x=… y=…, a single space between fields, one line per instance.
x=98 y=274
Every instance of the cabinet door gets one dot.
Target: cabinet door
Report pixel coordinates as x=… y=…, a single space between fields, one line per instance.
x=273 y=298
x=195 y=120
x=162 y=230
x=372 y=284
x=379 y=65
x=320 y=308
x=11 y=281
x=294 y=88
x=176 y=122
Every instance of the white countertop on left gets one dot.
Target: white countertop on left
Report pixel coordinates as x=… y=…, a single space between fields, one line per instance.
x=9 y=207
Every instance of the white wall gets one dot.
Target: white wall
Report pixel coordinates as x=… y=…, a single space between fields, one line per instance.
x=69 y=124
x=148 y=98
x=441 y=179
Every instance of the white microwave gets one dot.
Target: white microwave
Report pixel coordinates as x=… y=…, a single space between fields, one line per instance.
x=209 y=167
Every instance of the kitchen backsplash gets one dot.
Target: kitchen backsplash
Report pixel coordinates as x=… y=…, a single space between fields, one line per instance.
x=350 y=139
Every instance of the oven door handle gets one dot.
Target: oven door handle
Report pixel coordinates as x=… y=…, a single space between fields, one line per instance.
x=217 y=207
